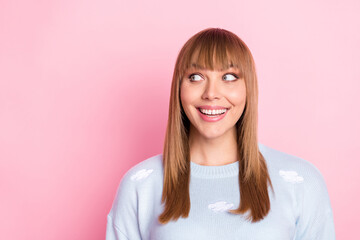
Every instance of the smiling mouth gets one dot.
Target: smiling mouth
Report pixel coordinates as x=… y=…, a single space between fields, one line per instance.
x=213 y=113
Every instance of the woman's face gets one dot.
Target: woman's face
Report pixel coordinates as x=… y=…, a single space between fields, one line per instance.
x=204 y=90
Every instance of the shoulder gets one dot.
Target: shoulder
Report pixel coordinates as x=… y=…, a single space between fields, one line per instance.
x=291 y=168
x=138 y=189
x=284 y=162
x=141 y=178
x=151 y=166
x=312 y=206
x=304 y=178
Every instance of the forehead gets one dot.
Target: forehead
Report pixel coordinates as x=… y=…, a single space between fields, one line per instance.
x=215 y=60
x=221 y=58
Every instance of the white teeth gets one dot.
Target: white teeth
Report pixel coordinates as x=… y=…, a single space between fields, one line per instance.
x=213 y=112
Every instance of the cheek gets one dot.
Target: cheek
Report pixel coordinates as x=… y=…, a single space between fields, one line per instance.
x=237 y=97
x=186 y=95
x=183 y=96
x=186 y=101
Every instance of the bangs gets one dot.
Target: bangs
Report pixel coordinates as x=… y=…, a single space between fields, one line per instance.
x=215 y=52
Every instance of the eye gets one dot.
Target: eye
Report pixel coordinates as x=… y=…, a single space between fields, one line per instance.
x=194 y=77
x=233 y=77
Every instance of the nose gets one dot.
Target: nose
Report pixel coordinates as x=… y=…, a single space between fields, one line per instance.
x=211 y=90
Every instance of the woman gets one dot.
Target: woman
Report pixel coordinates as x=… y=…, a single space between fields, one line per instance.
x=213 y=179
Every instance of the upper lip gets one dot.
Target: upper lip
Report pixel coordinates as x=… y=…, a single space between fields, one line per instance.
x=209 y=107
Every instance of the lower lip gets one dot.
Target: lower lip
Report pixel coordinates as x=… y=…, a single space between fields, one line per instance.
x=212 y=119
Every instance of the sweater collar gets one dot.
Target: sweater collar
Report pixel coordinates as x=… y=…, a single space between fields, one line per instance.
x=222 y=171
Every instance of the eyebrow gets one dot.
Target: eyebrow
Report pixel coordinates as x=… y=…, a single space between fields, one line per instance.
x=194 y=65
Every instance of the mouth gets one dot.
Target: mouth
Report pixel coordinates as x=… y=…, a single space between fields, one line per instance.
x=212 y=113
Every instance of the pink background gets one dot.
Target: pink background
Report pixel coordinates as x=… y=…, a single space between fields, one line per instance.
x=84 y=92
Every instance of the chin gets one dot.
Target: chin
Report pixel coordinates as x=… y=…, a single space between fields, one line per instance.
x=212 y=135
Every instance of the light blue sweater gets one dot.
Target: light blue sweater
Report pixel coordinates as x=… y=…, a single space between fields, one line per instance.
x=300 y=207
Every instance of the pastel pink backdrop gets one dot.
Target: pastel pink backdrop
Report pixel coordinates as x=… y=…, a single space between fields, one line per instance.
x=84 y=91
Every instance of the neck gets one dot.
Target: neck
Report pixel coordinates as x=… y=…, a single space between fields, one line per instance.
x=213 y=151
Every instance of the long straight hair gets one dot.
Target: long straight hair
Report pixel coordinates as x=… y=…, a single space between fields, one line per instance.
x=214 y=48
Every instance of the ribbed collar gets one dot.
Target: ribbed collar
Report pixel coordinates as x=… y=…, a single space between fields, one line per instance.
x=202 y=171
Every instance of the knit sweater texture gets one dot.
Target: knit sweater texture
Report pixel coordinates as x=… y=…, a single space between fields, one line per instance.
x=300 y=205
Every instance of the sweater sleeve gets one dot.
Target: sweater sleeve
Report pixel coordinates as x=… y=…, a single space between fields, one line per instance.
x=112 y=231
x=315 y=217
x=122 y=220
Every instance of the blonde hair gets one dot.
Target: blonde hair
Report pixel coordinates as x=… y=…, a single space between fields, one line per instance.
x=214 y=48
